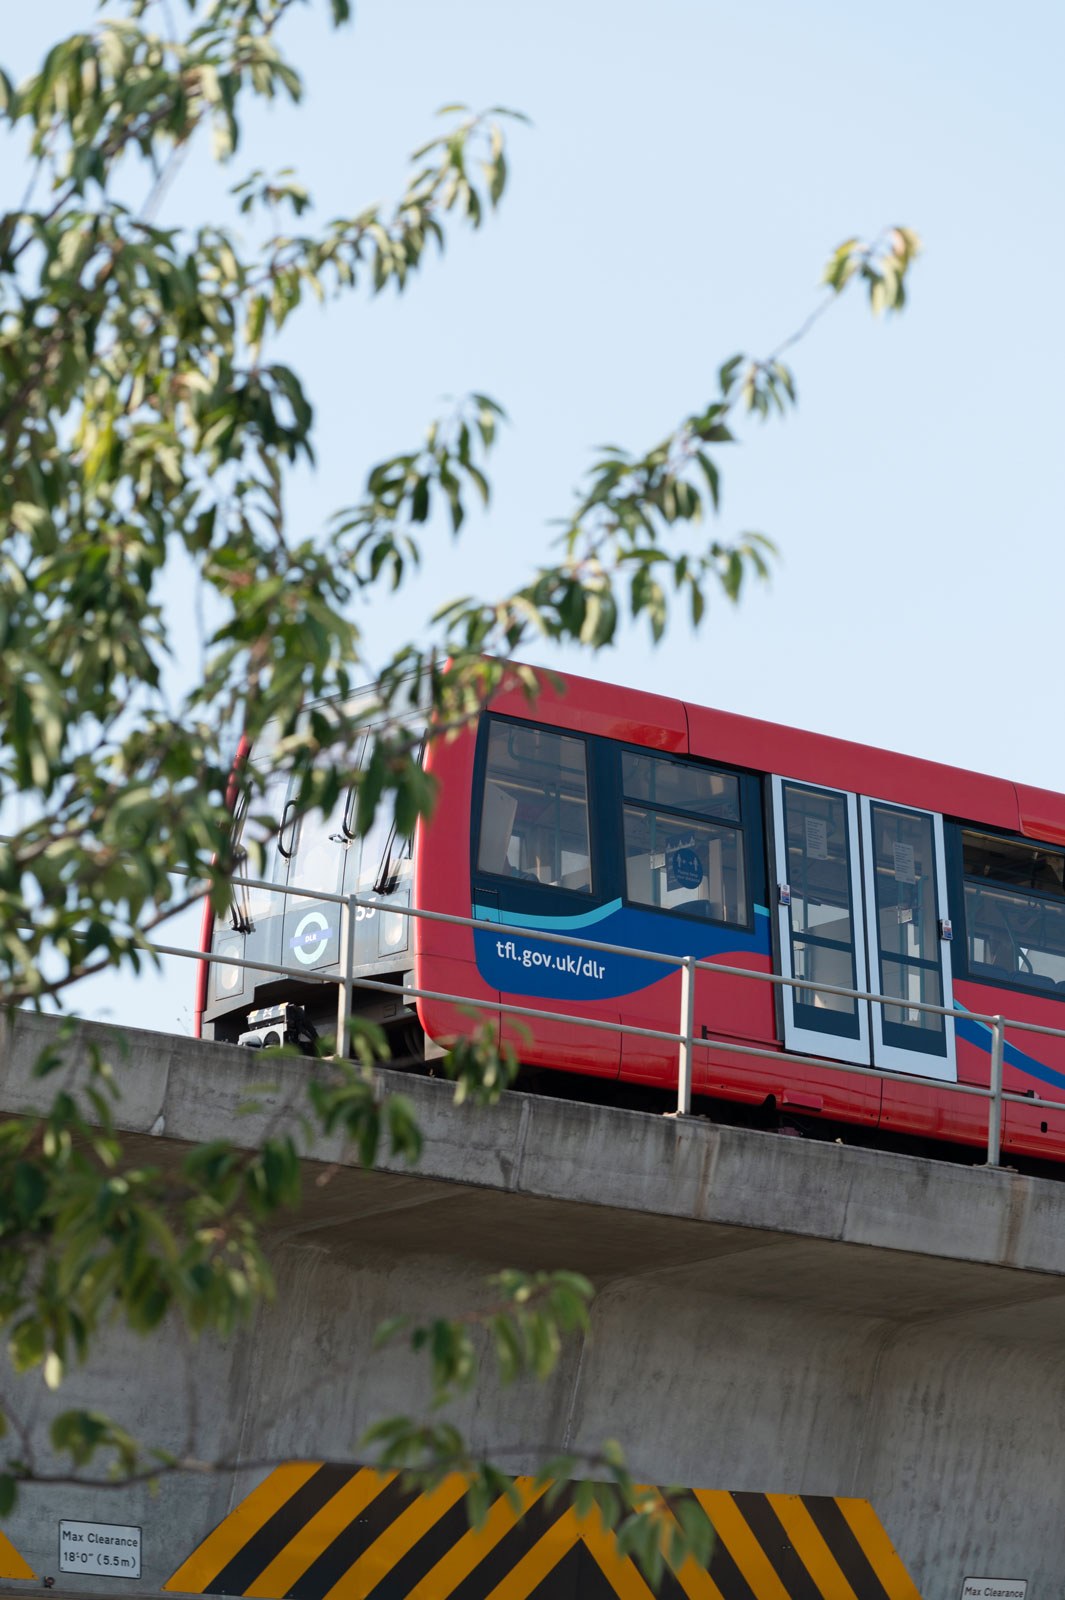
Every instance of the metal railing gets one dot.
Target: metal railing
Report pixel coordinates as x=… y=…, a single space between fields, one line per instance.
x=684 y=1039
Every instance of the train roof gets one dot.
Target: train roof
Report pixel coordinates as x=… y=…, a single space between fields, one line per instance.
x=684 y=727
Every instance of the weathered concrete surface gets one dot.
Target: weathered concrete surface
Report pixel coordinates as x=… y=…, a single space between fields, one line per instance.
x=773 y=1314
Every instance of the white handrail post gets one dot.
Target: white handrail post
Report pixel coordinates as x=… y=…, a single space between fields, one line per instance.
x=346 y=987
x=687 y=1030
x=994 y=1105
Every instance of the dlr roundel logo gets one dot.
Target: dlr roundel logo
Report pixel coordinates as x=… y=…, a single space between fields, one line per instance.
x=311 y=938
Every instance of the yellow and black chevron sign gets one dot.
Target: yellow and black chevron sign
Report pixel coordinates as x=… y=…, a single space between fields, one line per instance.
x=314 y=1531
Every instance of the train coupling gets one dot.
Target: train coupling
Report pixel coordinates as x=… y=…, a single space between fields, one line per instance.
x=276 y=1025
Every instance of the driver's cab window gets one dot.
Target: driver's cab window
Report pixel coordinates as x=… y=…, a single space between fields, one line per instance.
x=534 y=816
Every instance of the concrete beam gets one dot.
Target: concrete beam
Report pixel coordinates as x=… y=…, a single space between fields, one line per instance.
x=774 y=1313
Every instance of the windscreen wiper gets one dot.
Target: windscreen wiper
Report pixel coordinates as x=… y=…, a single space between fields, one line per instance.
x=387 y=878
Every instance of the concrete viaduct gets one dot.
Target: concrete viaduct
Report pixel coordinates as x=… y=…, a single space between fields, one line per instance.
x=774 y=1317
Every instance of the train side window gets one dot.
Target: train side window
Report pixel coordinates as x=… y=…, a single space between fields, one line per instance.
x=1014 y=911
x=683 y=838
x=534 y=813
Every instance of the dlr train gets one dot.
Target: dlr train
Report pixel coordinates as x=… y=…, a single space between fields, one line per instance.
x=654 y=824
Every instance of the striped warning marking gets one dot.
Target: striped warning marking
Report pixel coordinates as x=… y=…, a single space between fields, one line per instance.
x=11 y=1563
x=316 y=1531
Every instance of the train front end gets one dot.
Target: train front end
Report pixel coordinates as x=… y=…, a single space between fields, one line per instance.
x=283 y=934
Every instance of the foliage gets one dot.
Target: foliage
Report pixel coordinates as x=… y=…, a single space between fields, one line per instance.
x=144 y=413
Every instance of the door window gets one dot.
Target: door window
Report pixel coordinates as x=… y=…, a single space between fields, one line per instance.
x=819 y=837
x=903 y=871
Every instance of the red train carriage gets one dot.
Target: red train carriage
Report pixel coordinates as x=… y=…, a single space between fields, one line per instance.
x=651 y=824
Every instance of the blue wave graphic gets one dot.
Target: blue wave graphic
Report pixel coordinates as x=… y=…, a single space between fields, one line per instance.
x=586 y=919
x=518 y=965
x=979 y=1034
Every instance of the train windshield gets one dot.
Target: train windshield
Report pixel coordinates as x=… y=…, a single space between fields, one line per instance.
x=326 y=852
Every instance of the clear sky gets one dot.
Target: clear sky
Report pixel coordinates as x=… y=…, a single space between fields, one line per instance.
x=690 y=167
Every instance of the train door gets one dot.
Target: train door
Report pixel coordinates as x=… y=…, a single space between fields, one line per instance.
x=861 y=904
x=909 y=958
x=819 y=899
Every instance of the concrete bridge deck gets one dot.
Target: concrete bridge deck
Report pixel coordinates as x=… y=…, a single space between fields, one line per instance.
x=773 y=1315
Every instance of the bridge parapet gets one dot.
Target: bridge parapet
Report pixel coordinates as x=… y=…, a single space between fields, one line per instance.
x=646 y=1171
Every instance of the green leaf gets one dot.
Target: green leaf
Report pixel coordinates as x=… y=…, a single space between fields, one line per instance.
x=386 y=1331
x=149 y=441
x=726 y=376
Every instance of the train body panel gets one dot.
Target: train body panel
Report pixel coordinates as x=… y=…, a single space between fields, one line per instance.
x=858 y=769
x=650 y=825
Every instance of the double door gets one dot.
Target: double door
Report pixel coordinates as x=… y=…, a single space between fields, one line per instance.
x=862 y=904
